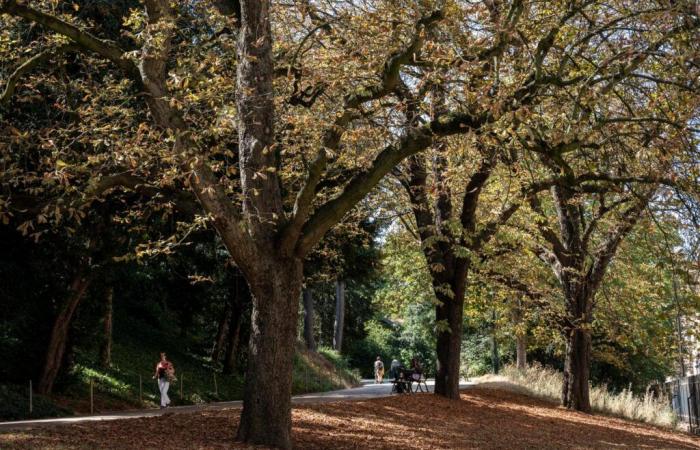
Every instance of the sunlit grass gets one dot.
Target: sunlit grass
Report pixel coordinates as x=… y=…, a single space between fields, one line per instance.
x=547 y=383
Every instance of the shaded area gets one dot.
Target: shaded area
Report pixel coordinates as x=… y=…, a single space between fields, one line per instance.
x=486 y=418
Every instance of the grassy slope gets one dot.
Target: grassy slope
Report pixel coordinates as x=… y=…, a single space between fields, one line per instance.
x=134 y=353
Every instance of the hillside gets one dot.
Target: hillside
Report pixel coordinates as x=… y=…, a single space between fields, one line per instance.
x=127 y=384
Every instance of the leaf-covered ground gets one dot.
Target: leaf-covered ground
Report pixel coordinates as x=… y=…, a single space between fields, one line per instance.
x=486 y=418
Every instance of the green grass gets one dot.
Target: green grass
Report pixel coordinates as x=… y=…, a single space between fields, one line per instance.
x=323 y=371
x=135 y=352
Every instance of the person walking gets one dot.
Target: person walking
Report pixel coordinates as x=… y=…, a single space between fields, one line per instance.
x=165 y=372
x=378 y=371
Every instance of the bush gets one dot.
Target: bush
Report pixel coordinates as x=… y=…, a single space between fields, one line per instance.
x=547 y=383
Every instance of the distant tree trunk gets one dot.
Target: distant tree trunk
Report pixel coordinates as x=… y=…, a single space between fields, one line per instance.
x=309 y=319
x=521 y=351
x=59 y=333
x=495 y=359
x=106 y=347
x=221 y=332
x=520 y=337
x=233 y=341
x=339 y=314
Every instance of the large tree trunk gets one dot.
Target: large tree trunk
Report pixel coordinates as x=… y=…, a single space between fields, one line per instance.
x=59 y=334
x=309 y=319
x=339 y=315
x=449 y=312
x=575 y=388
x=266 y=416
x=521 y=351
x=106 y=345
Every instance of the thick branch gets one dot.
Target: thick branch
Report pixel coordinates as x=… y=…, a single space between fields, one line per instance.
x=546 y=232
x=473 y=191
x=302 y=203
x=333 y=211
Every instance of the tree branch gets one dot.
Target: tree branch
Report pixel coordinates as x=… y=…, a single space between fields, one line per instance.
x=362 y=183
x=83 y=39
x=29 y=65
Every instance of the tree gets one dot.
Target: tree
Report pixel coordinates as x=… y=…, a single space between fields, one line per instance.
x=445 y=200
x=106 y=344
x=267 y=240
x=293 y=182
x=309 y=319
x=593 y=213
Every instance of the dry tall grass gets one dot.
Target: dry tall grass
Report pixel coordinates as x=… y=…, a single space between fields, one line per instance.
x=547 y=383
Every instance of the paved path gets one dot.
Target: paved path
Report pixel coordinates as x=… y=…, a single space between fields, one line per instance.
x=365 y=391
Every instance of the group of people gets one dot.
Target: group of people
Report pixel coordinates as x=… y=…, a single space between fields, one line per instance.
x=395 y=369
x=165 y=374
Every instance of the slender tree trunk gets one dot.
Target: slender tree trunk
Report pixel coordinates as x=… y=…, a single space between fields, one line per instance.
x=309 y=319
x=221 y=332
x=521 y=351
x=59 y=334
x=448 y=317
x=233 y=340
x=339 y=314
x=266 y=416
x=495 y=359
x=106 y=347
x=520 y=336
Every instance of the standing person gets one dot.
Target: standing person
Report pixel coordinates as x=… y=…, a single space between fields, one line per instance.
x=394 y=369
x=165 y=371
x=378 y=370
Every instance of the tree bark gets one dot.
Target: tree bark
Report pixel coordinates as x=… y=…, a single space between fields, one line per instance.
x=339 y=323
x=106 y=347
x=266 y=417
x=59 y=334
x=575 y=389
x=309 y=319
x=448 y=317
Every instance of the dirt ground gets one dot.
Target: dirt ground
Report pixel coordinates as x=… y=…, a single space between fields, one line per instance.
x=486 y=418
